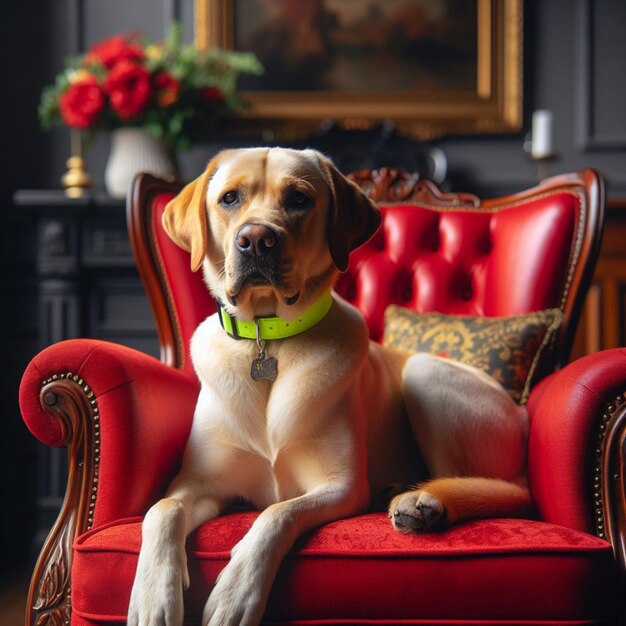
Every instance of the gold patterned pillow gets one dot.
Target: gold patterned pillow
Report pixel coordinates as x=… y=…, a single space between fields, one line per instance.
x=510 y=349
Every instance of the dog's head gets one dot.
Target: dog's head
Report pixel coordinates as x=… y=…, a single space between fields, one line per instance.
x=270 y=227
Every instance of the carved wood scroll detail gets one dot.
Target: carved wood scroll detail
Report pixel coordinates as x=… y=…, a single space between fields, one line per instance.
x=51 y=604
x=70 y=401
x=389 y=184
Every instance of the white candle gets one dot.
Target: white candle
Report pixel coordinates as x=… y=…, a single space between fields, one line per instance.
x=542 y=134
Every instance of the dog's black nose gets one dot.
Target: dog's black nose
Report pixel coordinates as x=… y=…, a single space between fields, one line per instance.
x=255 y=239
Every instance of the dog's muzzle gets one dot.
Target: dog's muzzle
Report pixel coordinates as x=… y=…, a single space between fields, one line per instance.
x=259 y=260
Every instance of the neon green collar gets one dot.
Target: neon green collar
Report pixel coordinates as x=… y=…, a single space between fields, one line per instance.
x=271 y=328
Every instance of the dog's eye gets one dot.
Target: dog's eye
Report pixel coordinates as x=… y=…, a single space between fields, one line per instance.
x=297 y=199
x=230 y=199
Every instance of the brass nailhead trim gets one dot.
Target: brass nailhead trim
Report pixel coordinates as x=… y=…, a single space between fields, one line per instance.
x=598 y=495
x=91 y=398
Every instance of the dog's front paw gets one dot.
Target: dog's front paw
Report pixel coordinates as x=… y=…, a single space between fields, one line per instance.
x=238 y=598
x=157 y=593
x=416 y=511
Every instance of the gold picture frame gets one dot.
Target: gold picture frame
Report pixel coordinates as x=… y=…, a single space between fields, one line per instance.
x=491 y=104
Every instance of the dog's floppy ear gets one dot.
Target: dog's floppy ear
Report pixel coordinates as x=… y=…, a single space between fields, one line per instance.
x=185 y=218
x=352 y=217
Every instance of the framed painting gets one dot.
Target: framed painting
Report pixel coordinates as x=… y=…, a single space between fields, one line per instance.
x=433 y=67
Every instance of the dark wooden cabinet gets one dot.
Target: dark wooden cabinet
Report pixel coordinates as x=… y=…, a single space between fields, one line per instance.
x=87 y=286
x=603 y=321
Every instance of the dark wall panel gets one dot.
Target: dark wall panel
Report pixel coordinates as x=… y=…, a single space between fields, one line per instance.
x=602 y=57
x=575 y=51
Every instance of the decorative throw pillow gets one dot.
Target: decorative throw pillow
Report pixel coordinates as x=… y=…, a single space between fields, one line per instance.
x=510 y=349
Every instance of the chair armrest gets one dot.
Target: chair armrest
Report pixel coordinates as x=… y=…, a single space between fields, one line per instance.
x=576 y=451
x=124 y=416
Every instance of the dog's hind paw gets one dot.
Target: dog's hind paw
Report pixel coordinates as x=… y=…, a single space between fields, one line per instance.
x=416 y=511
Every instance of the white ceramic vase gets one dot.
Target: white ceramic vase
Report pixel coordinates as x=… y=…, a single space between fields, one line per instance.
x=134 y=150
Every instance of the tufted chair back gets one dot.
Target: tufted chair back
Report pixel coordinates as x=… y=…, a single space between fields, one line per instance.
x=444 y=252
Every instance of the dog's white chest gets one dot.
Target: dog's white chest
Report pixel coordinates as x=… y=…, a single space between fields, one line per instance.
x=261 y=440
x=231 y=401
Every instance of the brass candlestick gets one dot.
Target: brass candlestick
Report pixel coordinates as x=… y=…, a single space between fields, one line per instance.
x=76 y=180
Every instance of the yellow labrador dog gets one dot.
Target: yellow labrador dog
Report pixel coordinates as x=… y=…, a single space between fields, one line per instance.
x=302 y=415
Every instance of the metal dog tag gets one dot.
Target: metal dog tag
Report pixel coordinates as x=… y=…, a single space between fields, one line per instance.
x=264 y=368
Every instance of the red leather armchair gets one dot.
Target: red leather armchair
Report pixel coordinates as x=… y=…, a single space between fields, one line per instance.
x=125 y=416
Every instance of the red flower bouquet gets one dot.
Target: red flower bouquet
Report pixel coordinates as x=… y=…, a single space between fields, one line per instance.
x=170 y=89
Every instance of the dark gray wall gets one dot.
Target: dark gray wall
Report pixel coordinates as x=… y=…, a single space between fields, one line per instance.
x=575 y=55
x=23 y=158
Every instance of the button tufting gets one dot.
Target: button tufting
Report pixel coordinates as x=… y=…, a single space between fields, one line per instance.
x=468 y=292
x=486 y=245
x=437 y=235
x=351 y=292
x=407 y=293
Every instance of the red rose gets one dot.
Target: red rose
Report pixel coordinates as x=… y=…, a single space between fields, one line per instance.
x=212 y=95
x=128 y=88
x=167 y=89
x=81 y=103
x=111 y=51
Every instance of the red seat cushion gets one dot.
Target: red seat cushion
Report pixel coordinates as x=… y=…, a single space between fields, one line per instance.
x=361 y=569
